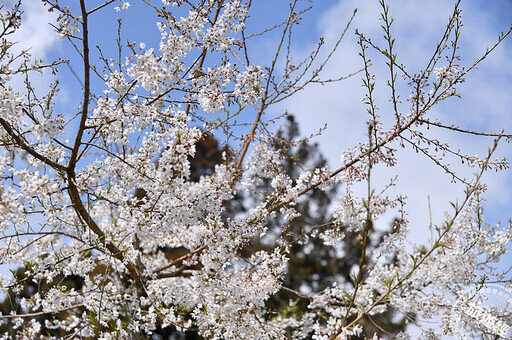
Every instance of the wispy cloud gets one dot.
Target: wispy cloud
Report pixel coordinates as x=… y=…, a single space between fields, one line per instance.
x=35 y=33
x=38 y=38
x=485 y=104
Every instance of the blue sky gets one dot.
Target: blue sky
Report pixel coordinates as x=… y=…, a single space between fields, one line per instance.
x=486 y=102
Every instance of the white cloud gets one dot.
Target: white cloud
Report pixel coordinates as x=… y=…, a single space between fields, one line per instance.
x=485 y=104
x=35 y=32
x=36 y=36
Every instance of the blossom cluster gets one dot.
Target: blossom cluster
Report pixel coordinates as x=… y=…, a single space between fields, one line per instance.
x=118 y=234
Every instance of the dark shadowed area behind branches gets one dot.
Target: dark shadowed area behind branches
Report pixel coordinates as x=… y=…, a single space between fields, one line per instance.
x=310 y=269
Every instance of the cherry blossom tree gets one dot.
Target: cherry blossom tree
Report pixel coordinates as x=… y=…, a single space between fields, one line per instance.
x=103 y=192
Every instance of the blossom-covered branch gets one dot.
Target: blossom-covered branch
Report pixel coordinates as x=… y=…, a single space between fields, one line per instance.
x=126 y=218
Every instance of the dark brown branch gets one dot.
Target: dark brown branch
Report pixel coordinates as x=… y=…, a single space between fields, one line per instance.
x=181 y=272
x=87 y=87
x=22 y=144
x=71 y=175
x=179 y=259
x=296 y=293
x=100 y=6
x=458 y=129
x=32 y=315
x=89 y=221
